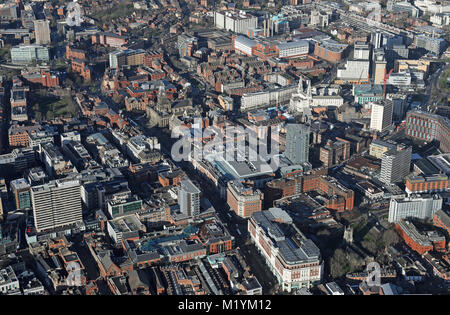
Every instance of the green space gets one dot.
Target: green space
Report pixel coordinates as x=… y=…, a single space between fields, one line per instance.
x=124 y=9
x=49 y=107
x=444 y=84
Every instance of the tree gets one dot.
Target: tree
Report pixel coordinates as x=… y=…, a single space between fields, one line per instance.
x=390 y=237
x=339 y=265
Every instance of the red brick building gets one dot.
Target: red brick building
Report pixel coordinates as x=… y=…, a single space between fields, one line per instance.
x=426 y=183
x=417 y=241
x=244 y=201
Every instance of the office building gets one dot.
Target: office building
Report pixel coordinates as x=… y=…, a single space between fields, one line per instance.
x=56 y=204
x=378 y=147
x=189 y=198
x=428 y=127
x=24 y=54
x=361 y=51
x=354 y=71
x=235 y=21
x=20 y=189
x=335 y=152
x=426 y=183
x=414 y=207
x=420 y=241
x=433 y=44
x=376 y=39
x=379 y=66
x=297 y=143
x=42 y=32
x=381 y=115
x=366 y=93
x=330 y=50
x=244 y=201
x=395 y=164
x=121 y=205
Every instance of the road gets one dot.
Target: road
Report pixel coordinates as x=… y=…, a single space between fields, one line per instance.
x=230 y=219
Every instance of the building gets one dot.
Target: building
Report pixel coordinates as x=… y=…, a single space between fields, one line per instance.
x=403 y=6
x=381 y=115
x=42 y=32
x=435 y=45
x=25 y=54
x=428 y=127
x=418 y=207
x=421 y=242
x=395 y=164
x=121 y=205
x=56 y=204
x=295 y=260
x=269 y=97
x=367 y=93
x=354 y=71
x=20 y=189
x=235 y=21
x=361 y=51
x=426 y=183
x=378 y=147
x=297 y=143
x=379 y=66
x=335 y=152
x=187 y=45
x=330 y=50
x=244 y=201
x=9 y=283
x=189 y=198
x=441 y=219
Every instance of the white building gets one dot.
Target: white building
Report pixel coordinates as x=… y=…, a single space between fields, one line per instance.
x=354 y=70
x=381 y=115
x=235 y=21
x=361 y=51
x=295 y=260
x=271 y=97
x=419 y=207
x=189 y=198
x=56 y=204
x=293 y=49
x=395 y=164
x=244 y=44
x=9 y=284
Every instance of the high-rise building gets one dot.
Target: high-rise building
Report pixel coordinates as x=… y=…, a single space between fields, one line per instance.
x=379 y=66
x=361 y=51
x=395 y=164
x=375 y=39
x=21 y=191
x=414 y=207
x=235 y=21
x=42 y=32
x=56 y=204
x=297 y=143
x=381 y=115
x=189 y=198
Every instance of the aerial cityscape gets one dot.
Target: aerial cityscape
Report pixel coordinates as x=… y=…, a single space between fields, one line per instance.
x=224 y=148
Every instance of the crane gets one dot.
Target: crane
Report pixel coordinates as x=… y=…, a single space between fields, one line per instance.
x=386 y=77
